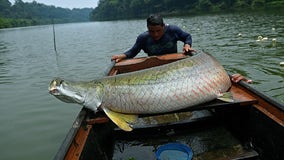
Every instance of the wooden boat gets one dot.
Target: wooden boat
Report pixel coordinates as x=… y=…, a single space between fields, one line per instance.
x=252 y=127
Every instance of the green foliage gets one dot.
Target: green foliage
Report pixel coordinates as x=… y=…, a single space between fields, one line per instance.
x=125 y=9
x=258 y=4
x=4 y=7
x=275 y=4
x=26 y=14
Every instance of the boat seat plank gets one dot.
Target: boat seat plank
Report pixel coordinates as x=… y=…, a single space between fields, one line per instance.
x=131 y=65
x=242 y=97
x=156 y=59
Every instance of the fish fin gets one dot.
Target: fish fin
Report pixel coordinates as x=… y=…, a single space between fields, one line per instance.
x=120 y=119
x=226 y=97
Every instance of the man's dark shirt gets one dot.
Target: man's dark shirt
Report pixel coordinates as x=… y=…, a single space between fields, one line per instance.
x=167 y=43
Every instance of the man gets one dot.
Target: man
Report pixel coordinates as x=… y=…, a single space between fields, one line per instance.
x=158 y=40
x=162 y=39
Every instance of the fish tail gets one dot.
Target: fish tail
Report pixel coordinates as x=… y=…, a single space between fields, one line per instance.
x=121 y=120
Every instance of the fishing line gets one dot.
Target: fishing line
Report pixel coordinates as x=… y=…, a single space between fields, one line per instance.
x=54 y=39
x=59 y=70
x=54 y=46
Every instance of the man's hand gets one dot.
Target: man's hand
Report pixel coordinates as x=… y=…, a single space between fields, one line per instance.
x=238 y=77
x=118 y=57
x=187 y=49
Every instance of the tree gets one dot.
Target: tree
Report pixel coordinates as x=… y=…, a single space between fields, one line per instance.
x=258 y=4
x=4 y=8
x=26 y=14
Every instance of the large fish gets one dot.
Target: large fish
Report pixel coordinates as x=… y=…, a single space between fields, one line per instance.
x=181 y=84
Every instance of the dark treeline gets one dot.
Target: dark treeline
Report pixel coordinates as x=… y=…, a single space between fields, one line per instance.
x=126 y=9
x=27 y=14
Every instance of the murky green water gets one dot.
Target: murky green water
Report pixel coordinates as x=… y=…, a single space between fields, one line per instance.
x=34 y=124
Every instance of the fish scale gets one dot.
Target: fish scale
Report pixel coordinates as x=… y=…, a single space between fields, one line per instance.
x=181 y=84
x=165 y=91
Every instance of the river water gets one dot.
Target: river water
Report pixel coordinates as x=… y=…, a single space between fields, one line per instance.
x=34 y=123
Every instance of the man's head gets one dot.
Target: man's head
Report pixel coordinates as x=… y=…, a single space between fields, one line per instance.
x=155 y=19
x=156 y=26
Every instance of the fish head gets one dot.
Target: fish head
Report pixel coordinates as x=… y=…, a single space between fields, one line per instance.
x=66 y=91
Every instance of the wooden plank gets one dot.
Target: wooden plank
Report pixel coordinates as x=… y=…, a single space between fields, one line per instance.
x=130 y=65
x=71 y=135
x=265 y=104
x=78 y=143
x=242 y=97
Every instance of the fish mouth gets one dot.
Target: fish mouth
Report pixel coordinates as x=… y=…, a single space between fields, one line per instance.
x=53 y=86
x=54 y=91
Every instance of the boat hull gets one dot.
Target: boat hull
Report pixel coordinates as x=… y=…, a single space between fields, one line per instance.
x=251 y=127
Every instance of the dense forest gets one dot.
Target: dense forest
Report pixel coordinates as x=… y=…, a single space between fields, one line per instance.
x=28 y=14
x=126 y=9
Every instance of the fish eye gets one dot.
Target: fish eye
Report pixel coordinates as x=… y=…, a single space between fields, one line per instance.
x=61 y=82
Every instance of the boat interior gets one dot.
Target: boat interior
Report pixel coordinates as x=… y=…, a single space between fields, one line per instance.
x=251 y=127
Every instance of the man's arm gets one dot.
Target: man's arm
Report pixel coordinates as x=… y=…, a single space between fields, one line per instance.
x=184 y=37
x=132 y=52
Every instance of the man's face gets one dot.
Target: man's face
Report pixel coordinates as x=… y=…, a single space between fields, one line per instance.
x=156 y=31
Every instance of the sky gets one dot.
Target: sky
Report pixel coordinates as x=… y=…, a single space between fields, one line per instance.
x=66 y=3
